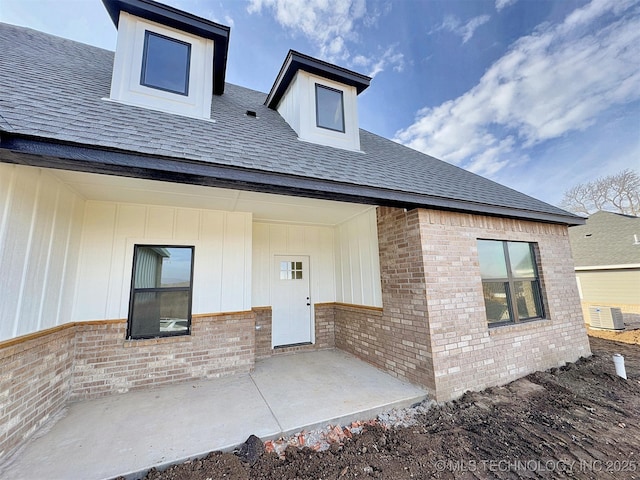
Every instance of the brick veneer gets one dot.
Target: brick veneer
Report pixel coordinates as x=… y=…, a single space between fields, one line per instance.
x=40 y=372
x=105 y=363
x=35 y=379
x=324 y=332
x=397 y=338
x=433 y=302
x=263 y=332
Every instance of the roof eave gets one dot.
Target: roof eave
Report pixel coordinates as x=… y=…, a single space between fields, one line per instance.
x=39 y=152
x=298 y=61
x=183 y=21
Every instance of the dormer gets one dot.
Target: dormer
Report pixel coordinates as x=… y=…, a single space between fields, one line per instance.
x=319 y=100
x=167 y=59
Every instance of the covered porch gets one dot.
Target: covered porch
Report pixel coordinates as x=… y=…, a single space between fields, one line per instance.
x=129 y=433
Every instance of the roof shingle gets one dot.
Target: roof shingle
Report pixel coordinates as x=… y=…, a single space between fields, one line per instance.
x=606 y=239
x=58 y=90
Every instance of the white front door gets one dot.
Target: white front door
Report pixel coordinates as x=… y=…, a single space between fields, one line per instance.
x=291 y=303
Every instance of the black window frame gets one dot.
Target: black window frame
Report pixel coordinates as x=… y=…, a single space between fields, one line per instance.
x=134 y=290
x=317 y=86
x=510 y=281
x=143 y=69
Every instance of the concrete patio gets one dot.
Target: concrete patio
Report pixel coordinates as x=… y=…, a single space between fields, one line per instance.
x=128 y=434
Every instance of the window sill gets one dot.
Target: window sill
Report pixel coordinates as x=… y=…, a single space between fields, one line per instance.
x=143 y=342
x=523 y=325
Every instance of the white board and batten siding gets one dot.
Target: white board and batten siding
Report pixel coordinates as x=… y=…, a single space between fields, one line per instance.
x=344 y=261
x=271 y=239
x=358 y=261
x=40 y=230
x=222 y=257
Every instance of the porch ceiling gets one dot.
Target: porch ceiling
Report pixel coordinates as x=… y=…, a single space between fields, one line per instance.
x=264 y=207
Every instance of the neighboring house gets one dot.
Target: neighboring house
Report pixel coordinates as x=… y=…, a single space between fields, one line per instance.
x=159 y=225
x=606 y=251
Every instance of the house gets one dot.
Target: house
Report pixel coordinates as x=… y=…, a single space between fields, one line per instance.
x=159 y=224
x=606 y=251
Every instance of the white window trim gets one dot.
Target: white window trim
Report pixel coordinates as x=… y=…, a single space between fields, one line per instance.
x=125 y=82
x=298 y=108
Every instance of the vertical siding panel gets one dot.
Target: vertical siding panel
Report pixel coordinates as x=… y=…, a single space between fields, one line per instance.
x=207 y=279
x=8 y=180
x=357 y=261
x=73 y=248
x=323 y=270
x=65 y=256
x=160 y=222
x=260 y=291
x=248 y=260
x=50 y=243
x=338 y=270
x=29 y=214
x=295 y=240
x=233 y=263
x=129 y=224
x=376 y=283
x=187 y=225
x=36 y=265
x=95 y=265
x=278 y=241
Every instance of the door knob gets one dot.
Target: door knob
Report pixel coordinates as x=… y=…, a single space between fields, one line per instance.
x=308 y=302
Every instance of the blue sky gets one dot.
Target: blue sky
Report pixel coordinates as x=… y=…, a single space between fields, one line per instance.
x=538 y=95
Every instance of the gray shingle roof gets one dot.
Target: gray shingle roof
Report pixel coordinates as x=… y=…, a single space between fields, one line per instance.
x=606 y=239
x=57 y=89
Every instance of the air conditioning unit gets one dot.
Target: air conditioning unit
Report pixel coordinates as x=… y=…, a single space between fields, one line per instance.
x=608 y=318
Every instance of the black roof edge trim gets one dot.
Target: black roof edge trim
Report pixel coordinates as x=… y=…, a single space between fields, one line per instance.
x=57 y=155
x=299 y=61
x=180 y=20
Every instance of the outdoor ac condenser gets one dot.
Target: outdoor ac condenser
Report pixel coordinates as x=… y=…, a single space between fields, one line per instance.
x=609 y=318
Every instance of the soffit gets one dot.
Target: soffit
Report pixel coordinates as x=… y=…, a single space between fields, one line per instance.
x=264 y=207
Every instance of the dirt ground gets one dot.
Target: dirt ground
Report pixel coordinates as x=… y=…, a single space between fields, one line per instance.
x=579 y=421
x=626 y=336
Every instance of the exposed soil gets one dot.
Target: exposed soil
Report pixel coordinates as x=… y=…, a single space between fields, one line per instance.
x=577 y=421
x=625 y=336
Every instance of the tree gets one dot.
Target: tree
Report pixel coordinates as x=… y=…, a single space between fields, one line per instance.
x=618 y=193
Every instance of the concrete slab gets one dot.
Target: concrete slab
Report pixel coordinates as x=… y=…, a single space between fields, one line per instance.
x=128 y=434
x=330 y=386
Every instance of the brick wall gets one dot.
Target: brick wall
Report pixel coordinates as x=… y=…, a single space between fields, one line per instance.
x=35 y=378
x=324 y=332
x=106 y=363
x=325 y=325
x=433 y=330
x=263 y=332
x=399 y=338
x=40 y=372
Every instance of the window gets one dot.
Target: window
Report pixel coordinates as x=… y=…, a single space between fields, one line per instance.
x=329 y=108
x=165 y=63
x=161 y=289
x=290 y=270
x=510 y=281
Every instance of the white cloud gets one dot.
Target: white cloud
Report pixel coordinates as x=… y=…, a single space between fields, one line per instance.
x=500 y=4
x=454 y=25
x=228 y=20
x=332 y=25
x=377 y=63
x=329 y=24
x=552 y=82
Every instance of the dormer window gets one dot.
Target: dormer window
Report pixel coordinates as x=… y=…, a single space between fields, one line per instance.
x=165 y=63
x=166 y=59
x=319 y=101
x=329 y=108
